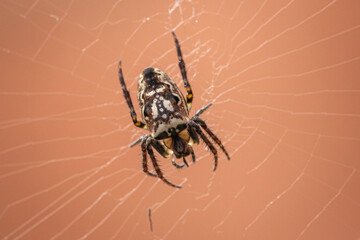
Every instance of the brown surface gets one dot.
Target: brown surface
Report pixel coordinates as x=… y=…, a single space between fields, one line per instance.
x=284 y=79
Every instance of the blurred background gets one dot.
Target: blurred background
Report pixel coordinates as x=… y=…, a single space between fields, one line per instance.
x=283 y=77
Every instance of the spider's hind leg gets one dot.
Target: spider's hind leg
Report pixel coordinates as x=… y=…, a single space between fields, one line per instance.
x=128 y=100
x=189 y=96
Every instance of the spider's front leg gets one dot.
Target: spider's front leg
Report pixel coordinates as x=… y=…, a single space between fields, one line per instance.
x=128 y=100
x=184 y=160
x=197 y=129
x=179 y=165
x=201 y=110
x=144 y=157
x=211 y=134
x=149 y=143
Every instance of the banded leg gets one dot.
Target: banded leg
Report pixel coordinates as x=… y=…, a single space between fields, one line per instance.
x=201 y=110
x=185 y=162
x=144 y=158
x=192 y=154
x=193 y=135
x=211 y=134
x=189 y=96
x=156 y=165
x=137 y=141
x=128 y=100
x=179 y=165
x=207 y=142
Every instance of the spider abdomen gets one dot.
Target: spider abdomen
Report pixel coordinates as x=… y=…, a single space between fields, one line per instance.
x=162 y=105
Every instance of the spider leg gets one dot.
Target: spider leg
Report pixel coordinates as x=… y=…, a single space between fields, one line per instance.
x=128 y=100
x=207 y=142
x=193 y=135
x=137 y=141
x=144 y=157
x=185 y=162
x=156 y=165
x=211 y=134
x=189 y=96
x=201 y=110
x=192 y=153
x=178 y=165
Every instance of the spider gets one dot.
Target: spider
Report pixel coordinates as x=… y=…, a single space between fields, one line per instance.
x=166 y=114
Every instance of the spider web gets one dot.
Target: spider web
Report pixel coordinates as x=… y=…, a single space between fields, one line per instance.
x=283 y=77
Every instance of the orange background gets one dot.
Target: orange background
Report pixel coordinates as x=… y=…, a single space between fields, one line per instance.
x=283 y=77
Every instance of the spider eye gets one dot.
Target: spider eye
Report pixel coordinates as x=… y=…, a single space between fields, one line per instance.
x=176 y=98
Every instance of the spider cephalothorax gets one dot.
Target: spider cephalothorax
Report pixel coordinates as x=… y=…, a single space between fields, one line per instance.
x=166 y=115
